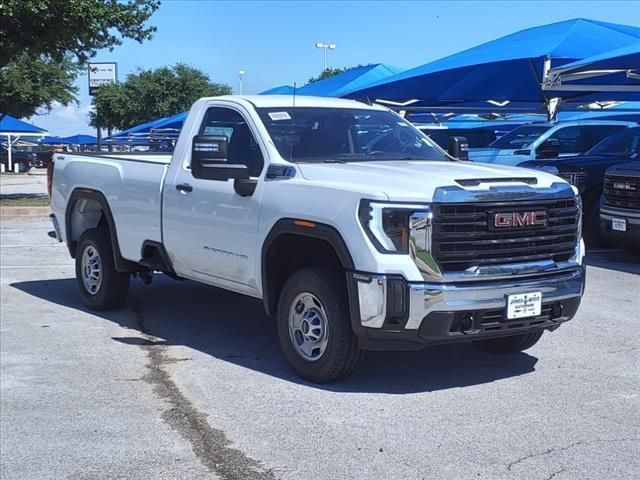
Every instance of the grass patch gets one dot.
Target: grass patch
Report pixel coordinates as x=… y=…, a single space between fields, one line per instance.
x=25 y=201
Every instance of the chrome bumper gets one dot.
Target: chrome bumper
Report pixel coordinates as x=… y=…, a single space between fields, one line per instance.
x=377 y=297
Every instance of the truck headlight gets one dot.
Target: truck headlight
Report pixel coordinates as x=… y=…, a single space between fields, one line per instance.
x=393 y=227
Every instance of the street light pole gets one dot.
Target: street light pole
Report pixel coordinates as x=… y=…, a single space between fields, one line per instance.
x=325 y=47
x=241 y=74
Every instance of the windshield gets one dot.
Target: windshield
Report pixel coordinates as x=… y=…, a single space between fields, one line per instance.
x=626 y=141
x=318 y=134
x=520 y=137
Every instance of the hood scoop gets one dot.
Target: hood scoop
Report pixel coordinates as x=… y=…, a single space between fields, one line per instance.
x=474 y=182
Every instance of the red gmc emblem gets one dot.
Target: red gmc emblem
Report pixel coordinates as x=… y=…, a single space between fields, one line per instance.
x=537 y=218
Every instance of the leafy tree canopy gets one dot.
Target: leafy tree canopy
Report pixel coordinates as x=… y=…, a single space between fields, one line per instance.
x=28 y=85
x=70 y=28
x=151 y=94
x=44 y=44
x=330 y=72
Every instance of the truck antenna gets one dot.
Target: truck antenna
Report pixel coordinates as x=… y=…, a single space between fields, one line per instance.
x=293 y=118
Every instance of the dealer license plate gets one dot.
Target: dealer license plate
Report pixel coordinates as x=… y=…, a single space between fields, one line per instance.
x=619 y=224
x=524 y=305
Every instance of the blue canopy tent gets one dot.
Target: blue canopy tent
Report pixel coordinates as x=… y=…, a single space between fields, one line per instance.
x=352 y=80
x=613 y=75
x=50 y=140
x=14 y=129
x=80 y=140
x=167 y=128
x=504 y=75
x=281 y=90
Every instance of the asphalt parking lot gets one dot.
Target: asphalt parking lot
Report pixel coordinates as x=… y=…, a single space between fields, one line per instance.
x=187 y=381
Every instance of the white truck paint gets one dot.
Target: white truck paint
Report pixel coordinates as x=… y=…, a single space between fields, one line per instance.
x=304 y=214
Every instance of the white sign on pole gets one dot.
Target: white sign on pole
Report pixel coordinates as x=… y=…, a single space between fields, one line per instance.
x=100 y=74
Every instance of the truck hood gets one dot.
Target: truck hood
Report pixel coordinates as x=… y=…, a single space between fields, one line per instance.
x=627 y=169
x=417 y=180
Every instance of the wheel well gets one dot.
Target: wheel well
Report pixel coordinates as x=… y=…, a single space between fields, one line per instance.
x=85 y=214
x=89 y=209
x=289 y=253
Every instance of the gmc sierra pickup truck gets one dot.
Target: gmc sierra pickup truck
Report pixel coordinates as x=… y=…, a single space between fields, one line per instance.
x=620 y=204
x=356 y=231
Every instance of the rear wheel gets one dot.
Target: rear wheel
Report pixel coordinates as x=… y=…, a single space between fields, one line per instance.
x=517 y=343
x=101 y=286
x=314 y=326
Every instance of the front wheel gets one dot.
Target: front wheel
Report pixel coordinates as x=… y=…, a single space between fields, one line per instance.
x=514 y=344
x=314 y=326
x=101 y=286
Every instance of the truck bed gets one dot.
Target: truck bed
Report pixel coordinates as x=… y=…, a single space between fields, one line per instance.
x=132 y=184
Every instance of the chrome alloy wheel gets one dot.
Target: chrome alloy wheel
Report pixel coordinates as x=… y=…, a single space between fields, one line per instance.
x=308 y=326
x=91 y=270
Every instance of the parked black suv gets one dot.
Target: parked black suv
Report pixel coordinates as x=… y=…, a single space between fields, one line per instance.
x=587 y=171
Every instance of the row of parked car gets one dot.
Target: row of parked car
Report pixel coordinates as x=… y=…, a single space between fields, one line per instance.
x=600 y=158
x=24 y=161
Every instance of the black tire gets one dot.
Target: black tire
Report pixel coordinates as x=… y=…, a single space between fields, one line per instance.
x=341 y=355
x=113 y=288
x=514 y=344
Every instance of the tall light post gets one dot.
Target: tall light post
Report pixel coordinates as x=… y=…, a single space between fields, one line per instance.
x=240 y=75
x=325 y=47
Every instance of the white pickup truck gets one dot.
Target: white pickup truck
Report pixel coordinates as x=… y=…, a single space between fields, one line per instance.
x=356 y=231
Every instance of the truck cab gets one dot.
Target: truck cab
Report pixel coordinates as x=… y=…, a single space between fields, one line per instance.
x=356 y=231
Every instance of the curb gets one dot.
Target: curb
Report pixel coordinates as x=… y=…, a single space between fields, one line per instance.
x=8 y=212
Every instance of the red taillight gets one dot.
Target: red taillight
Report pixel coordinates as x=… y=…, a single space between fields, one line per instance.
x=50 y=176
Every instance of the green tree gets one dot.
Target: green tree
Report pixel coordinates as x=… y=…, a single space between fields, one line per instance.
x=330 y=72
x=77 y=28
x=44 y=44
x=28 y=85
x=151 y=94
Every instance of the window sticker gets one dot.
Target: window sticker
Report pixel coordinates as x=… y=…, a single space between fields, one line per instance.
x=275 y=116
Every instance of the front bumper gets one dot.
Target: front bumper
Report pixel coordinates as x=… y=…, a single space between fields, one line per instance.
x=389 y=313
x=632 y=217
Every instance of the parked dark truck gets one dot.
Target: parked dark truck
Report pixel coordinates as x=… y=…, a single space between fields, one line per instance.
x=620 y=207
x=586 y=172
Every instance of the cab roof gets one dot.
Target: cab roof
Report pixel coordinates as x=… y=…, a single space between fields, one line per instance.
x=286 y=101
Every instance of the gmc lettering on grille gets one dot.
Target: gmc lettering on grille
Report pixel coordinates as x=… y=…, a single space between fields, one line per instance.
x=538 y=218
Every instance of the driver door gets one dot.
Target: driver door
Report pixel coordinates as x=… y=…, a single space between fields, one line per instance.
x=210 y=231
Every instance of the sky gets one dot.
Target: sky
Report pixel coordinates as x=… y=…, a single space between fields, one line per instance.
x=274 y=42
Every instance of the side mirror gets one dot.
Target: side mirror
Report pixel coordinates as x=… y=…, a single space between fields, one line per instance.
x=209 y=159
x=549 y=149
x=458 y=148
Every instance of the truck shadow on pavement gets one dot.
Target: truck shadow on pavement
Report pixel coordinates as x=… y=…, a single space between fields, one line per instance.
x=613 y=259
x=235 y=329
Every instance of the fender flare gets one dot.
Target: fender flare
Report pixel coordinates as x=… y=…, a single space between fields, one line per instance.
x=303 y=228
x=120 y=263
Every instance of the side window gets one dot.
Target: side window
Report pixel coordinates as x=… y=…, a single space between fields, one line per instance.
x=242 y=148
x=569 y=139
x=594 y=134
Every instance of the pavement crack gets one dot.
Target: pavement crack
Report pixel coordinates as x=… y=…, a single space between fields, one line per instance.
x=555 y=473
x=567 y=447
x=210 y=445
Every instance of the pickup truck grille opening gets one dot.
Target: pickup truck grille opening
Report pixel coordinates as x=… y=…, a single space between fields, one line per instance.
x=463 y=236
x=495 y=320
x=622 y=192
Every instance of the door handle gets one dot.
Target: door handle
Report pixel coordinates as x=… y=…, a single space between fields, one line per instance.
x=184 y=188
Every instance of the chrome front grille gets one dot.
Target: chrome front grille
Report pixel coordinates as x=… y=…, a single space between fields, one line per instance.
x=464 y=236
x=622 y=192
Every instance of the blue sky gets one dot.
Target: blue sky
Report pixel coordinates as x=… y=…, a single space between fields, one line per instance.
x=274 y=41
